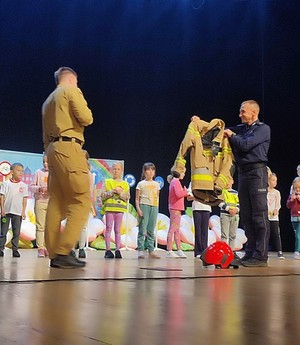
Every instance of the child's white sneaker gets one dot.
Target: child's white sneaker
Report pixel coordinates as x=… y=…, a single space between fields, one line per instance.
x=171 y=254
x=296 y=256
x=141 y=255
x=181 y=254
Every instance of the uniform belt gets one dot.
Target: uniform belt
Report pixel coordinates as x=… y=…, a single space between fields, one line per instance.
x=74 y=140
x=251 y=166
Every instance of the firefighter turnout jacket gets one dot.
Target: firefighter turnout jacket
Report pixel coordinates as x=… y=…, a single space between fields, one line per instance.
x=211 y=159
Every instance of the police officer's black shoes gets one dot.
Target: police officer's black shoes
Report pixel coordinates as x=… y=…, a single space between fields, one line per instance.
x=1 y=253
x=66 y=261
x=254 y=263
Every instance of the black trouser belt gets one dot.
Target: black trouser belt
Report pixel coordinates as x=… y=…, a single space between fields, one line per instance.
x=74 y=140
x=251 y=166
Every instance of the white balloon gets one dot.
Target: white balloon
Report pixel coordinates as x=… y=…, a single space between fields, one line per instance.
x=131 y=241
x=187 y=235
x=214 y=221
x=240 y=235
x=95 y=228
x=8 y=237
x=163 y=222
x=211 y=237
x=162 y=236
x=186 y=221
x=217 y=232
x=131 y=238
x=238 y=245
x=28 y=230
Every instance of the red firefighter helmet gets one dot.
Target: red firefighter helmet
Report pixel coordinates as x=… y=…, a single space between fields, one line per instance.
x=219 y=254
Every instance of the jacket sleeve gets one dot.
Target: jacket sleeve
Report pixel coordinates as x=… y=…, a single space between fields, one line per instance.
x=224 y=164
x=260 y=134
x=192 y=134
x=79 y=106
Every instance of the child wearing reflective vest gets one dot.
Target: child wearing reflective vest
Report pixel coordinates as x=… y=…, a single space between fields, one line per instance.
x=114 y=197
x=229 y=214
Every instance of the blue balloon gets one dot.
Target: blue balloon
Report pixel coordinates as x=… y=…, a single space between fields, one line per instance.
x=130 y=179
x=160 y=181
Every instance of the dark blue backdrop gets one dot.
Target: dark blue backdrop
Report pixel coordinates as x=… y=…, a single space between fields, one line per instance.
x=145 y=66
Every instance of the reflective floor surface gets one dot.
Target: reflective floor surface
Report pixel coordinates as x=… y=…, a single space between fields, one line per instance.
x=145 y=302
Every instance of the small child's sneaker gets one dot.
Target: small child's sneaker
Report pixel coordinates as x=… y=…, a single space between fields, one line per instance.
x=41 y=253
x=280 y=256
x=152 y=255
x=171 y=254
x=16 y=254
x=181 y=254
x=141 y=255
x=118 y=254
x=109 y=255
x=296 y=256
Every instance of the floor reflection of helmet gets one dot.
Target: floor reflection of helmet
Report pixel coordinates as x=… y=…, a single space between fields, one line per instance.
x=219 y=254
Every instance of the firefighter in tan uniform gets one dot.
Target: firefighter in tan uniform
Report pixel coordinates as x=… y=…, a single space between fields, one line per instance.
x=65 y=115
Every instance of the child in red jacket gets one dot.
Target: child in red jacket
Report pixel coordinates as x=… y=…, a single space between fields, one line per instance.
x=293 y=203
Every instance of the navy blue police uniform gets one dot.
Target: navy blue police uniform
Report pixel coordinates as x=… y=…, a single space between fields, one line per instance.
x=250 y=145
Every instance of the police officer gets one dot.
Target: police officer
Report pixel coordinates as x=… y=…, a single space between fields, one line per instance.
x=65 y=115
x=250 y=143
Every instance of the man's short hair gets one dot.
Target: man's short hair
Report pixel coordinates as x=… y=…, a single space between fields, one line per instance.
x=61 y=72
x=253 y=104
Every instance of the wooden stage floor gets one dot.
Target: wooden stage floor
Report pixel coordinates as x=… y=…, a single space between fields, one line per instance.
x=145 y=302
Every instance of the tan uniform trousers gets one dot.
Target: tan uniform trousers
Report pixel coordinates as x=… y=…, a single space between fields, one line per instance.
x=40 y=210
x=69 y=190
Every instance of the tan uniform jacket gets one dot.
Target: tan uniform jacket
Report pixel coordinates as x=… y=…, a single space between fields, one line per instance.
x=209 y=172
x=65 y=113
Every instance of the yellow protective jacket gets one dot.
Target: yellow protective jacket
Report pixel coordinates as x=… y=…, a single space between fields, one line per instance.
x=211 y=159
x=231 y=200
x=113 y=202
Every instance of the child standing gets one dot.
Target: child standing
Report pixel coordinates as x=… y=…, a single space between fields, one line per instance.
x=229 y=214
x=274 y=205
x=114 y=196
x=201 y=214
x=146 y=201
x=177 y=193
x=13 y=201
x=41 y=196
x=293 y=203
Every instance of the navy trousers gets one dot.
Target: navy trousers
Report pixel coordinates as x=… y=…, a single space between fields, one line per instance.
x=253 y=188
